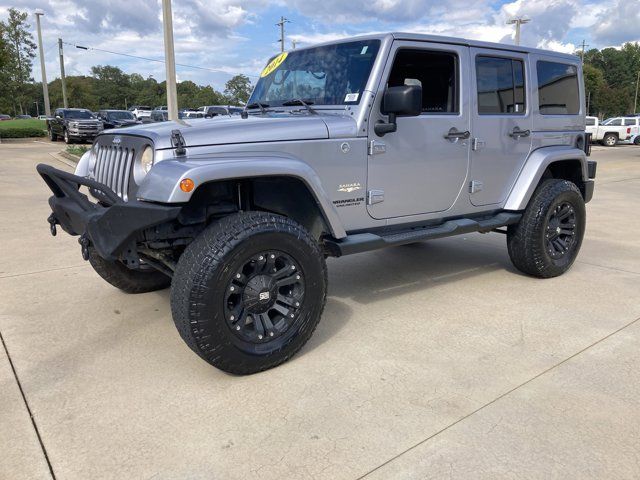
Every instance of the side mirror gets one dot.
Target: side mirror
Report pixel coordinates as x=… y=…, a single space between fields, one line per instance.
x=405 y=100
x=58 y=117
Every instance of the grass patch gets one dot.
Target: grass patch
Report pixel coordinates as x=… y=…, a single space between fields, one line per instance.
x=77 y=150
x=23 y=128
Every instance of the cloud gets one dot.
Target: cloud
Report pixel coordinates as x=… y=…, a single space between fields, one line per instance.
x=619 y=23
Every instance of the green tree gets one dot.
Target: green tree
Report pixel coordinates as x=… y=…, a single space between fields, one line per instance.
x=20 y=47
x=238 y=89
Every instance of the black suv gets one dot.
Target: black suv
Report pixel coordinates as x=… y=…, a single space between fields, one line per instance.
x=73 y=124
x=117 y=118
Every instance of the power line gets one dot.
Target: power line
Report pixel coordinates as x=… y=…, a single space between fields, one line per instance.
x=82 y=47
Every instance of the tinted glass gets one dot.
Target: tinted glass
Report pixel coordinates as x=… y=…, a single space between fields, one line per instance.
x=630 y=122
x=79 y=114
x=120 y=115
x=590 y=121
x=501 y=86
x=614 y=122
x=435 y=72
x=558 y=92
x=329 y=75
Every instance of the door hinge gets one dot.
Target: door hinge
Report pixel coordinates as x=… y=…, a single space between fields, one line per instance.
x=375 y=196
x=477 y=144
x=376 y=148
x=475 y=186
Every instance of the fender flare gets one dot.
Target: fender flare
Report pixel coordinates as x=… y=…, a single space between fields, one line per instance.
x=534 y=168
x=162 y=183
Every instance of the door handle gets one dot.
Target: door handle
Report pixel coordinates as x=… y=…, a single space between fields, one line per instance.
x=517 y=133
x=455 y=134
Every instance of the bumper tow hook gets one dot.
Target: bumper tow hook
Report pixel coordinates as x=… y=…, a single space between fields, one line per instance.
x=52 y=224
x=84 y=246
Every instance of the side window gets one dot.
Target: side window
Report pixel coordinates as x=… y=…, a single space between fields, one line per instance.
x=590 y=121
x=630 y=122
x=501 y=86
x=434 y=71
x=558 y=92
x=617 y=122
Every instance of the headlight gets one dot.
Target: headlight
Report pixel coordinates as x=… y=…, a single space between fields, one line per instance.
x=143 y=165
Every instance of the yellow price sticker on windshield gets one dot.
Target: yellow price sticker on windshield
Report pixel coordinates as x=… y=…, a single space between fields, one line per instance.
x=274 y=64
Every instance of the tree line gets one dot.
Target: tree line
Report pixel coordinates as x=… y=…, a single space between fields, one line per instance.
x=610 y=77
x=106 y=87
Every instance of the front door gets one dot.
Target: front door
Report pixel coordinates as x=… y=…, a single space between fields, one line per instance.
x=421 y=168
x=501 y=123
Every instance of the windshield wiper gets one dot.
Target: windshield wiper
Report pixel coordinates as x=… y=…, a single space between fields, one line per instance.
x=262 y=106
x=298 y=101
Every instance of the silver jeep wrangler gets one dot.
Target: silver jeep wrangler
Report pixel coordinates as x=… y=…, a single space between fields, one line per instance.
x=344 y=147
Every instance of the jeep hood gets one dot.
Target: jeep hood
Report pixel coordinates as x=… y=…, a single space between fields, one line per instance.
x=235 y=129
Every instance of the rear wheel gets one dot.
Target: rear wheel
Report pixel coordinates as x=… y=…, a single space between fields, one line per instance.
x=145 y=279
x=249 y=291
x=546 y=241
x=610 y=140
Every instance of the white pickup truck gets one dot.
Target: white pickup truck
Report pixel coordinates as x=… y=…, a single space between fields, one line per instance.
x=612 y=130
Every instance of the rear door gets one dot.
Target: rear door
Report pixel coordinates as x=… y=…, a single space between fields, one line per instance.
x=501 y=123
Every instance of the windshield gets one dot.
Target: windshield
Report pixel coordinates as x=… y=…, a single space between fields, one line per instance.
x=120 y=116
x=80 y=114
x=328 y=75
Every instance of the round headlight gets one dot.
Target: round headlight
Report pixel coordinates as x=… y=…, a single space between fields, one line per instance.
x=143 y=164
x=146 y=160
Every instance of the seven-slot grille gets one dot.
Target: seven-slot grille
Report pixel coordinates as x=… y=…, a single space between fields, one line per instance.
x=113 y=168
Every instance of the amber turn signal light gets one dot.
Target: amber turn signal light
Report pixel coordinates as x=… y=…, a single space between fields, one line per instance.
x=186 y=185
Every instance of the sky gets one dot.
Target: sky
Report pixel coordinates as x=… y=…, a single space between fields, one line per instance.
x=226 y=37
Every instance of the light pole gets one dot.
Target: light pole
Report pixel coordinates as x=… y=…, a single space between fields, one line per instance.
x=63 y=79
x=45 y=86
x=170 y=61
x=281 y=25
x=518 y=21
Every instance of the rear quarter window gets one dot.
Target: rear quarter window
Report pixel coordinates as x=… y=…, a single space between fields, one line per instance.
x=558 y=91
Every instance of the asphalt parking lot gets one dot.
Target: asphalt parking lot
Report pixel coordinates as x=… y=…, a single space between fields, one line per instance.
x=432 y=360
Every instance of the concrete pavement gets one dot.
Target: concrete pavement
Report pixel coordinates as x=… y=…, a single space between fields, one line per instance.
x=431 y=360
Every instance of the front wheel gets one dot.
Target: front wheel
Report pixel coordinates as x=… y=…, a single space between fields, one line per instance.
x=248 y=292
x=67 y=138
x=636 y=141
x=546 y=241
x=52 y=136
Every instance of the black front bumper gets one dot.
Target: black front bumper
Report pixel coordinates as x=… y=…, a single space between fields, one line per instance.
x=110 y=226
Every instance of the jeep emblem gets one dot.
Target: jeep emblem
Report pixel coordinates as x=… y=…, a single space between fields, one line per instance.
x=264 y=296
x=116 y=140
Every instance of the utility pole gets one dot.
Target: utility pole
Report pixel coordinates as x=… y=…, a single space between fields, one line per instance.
x=62 y=77
x=517 y=21
x=281 y=25
x=45 y=85
x=170 y=61
x=583 y=45
x=635 y=100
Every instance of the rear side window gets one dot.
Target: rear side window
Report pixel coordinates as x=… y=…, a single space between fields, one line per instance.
x=590 y=121
x=630 y=122
x=558 y=92
x=501 y=87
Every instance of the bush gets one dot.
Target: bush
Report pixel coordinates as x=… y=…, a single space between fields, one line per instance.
x=77 y=150
x=22 y=132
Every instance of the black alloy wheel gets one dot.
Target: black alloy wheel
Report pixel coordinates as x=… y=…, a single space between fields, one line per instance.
x=561 y=230
x=264 y=297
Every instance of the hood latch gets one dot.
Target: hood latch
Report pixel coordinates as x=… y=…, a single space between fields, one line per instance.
x=177 y=140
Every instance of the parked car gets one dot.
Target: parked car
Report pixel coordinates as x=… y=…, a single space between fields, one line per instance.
x=384 y=149
x=23 y=117
x=635 y=139
x=191 y=114
x=608 y=132
x=632 y=122
x=117 y=118
x=73 y=124
x=42 y=117
x=160 y=114
x=215 y=110
x=4 y=118
x=141 y=112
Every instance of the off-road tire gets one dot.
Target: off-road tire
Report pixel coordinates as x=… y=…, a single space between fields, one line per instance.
x=526 y=240
x=610 y=140
x=126 y=279
x=201 y=281
x=52 y=136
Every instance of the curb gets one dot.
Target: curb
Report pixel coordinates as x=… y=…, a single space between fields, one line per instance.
x=70 y=161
